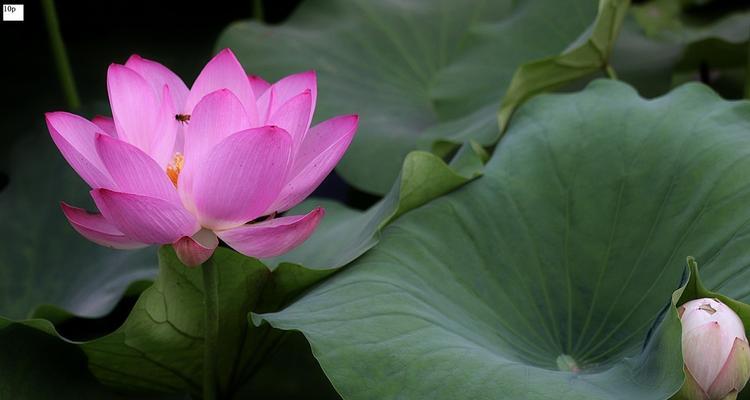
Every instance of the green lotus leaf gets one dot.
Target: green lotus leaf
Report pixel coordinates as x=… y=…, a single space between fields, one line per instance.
x=549 y=276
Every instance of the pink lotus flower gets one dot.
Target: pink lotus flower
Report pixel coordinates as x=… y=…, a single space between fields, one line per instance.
x=715 y=350
x=187 y=167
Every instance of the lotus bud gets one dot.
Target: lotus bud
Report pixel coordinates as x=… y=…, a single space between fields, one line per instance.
x=715 y=351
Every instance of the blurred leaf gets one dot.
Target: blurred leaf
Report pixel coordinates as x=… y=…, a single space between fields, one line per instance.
x=661 y=45
x=562 y=256
x=578 y=61
x=36 y=366
x=417 y=72
x=43 y=260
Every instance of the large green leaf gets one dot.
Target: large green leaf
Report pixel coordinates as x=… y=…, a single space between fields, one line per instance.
x=416 y=71
x=42 y=259
x=561 y=257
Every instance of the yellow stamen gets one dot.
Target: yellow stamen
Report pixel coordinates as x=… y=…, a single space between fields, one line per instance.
x=174 y=167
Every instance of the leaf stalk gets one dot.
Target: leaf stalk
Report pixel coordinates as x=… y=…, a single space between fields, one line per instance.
x=62 y=63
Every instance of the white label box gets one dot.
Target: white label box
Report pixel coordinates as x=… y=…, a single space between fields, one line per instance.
x=12 y=12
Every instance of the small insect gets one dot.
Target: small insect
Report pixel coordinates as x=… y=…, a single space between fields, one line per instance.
x=183 y=118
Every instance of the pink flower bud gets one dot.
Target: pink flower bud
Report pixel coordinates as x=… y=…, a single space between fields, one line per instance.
x=715 y=350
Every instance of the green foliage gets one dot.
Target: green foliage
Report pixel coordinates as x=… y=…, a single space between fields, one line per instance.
x=37 y=366
x=43 y=261
x=565 y=253
x=579 y=61
x=667 y=42
x=549 y=277
x=346 y=234
x=160 y=346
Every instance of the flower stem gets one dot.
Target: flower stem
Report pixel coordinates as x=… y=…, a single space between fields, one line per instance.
x=211 y=299
x=258 y=10
x=64 y=72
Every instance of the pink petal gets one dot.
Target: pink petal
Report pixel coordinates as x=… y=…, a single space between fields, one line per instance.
x=224 y=72
x=274 y=237
x=286 y=88
x=321 y=150
x=217 y=116
x=195 y=250
x=133 y=171
x=97 y=229
x=294 y=117
x=704 y=353
x=162 y=147
x=241 y=177
x=158 y=76
x=258 y=84
x=694 y=315
x=74 y=136
x=735 y=372
x=106 y=124
x=135 y=106
x=145 y=219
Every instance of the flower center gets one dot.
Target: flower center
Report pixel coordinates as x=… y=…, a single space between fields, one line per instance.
x=174 y=167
